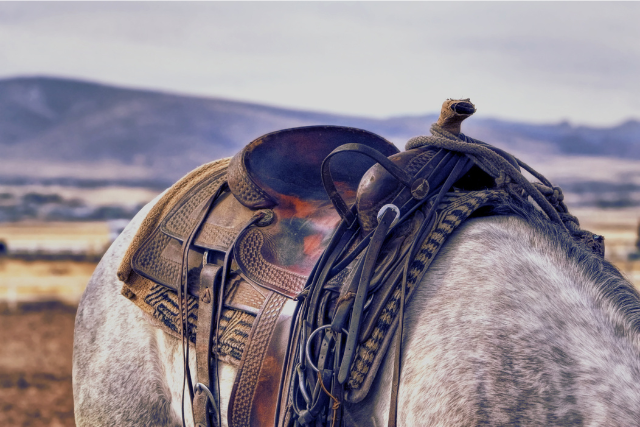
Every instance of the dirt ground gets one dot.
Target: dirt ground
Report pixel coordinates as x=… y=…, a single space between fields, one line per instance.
x=36 y=344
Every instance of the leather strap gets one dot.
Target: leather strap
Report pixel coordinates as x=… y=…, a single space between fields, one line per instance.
x=183 y=306
x=267 y=397
x=209 y=280
x=367 y=271
x=332 y=191
x=253 y=362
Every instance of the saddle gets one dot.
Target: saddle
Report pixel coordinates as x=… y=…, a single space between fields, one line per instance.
x=269 y=213
x=312 y=238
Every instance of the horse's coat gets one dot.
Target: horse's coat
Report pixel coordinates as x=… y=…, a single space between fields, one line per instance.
x=513 y=324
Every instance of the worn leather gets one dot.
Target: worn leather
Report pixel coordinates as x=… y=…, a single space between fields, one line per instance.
x=210 y=278
x=253 y=361
x=281 y=171
x=378 y=187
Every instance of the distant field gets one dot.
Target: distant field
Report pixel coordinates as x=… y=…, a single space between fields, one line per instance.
x=22 y=280
x=77 y=237
x=44 y=280
x=619 y=228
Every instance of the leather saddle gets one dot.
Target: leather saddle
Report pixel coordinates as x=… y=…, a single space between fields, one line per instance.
x=253 y=235
x=321 y=248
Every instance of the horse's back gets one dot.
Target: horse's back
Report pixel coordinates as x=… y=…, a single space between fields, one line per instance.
x=506 y=329
x=114 y=375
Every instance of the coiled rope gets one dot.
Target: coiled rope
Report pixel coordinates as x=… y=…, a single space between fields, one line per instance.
x=496 y=163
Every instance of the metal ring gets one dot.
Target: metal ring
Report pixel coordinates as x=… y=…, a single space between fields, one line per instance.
x=308 y=348
x=393 y=208
x=204 y=388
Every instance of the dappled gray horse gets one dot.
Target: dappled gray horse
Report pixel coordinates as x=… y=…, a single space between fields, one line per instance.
x=513 y=323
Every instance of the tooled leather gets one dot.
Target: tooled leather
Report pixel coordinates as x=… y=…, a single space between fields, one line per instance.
x=213 y=236
x=245 y=190
x=241 y=295
x=248 y=256
x=254 y=357
x=179 y=223
x=149 y=263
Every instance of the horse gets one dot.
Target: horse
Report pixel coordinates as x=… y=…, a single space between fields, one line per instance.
x=514 y=323
x=517 y=320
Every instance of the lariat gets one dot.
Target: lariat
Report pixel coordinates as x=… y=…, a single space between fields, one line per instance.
x=505 y=170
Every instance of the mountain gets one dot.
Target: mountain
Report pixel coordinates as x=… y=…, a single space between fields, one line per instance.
x=74 y=150
x=54 y=128
x=68 y=121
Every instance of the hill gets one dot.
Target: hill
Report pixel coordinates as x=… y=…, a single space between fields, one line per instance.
x=78 y=150
x=46 y=122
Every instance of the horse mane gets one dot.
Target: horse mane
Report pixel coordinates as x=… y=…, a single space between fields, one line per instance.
x=612 y=291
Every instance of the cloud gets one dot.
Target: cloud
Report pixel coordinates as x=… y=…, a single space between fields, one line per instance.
x=552 y=61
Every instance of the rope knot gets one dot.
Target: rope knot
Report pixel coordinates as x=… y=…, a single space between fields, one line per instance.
x=552 y=193
x=556 y=197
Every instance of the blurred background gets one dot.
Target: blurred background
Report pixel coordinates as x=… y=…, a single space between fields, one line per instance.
x=104 y=105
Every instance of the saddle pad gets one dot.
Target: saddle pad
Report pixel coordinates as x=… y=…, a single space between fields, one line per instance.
x=161 y=306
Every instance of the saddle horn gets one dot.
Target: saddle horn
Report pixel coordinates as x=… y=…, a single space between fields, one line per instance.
x=453 y=113
x=379 y=187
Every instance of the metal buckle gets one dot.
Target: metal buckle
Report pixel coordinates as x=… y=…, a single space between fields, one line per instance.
x=393 y=208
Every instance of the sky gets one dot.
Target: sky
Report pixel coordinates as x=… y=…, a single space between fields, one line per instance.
x=541 y=62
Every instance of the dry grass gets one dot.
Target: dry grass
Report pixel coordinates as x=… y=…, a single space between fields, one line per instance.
x=35 y=365
x=42 y=280
x=22 y=280
x=619 y=228
x=77 y=237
